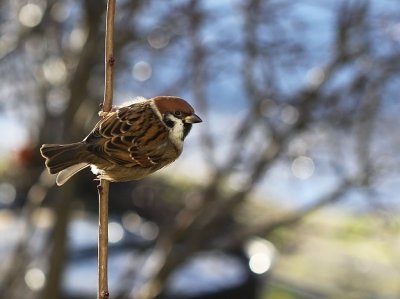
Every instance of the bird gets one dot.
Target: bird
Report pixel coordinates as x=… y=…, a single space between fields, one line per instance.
x=128 y=143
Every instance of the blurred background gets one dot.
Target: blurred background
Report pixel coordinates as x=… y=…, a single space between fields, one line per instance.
x=288 y=189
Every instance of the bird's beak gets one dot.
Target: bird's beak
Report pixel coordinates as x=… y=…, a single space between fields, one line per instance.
x=191 y=119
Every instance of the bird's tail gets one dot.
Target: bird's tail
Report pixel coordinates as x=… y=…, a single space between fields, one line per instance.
x=65 y=159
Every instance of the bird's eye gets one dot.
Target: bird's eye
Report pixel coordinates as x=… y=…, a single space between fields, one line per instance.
x=178 y=113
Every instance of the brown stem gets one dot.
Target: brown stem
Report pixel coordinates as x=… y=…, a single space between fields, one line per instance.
x=109 y=57
x=103 y=188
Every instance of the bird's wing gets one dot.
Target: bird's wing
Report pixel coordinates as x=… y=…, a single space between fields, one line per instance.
x=132 y=136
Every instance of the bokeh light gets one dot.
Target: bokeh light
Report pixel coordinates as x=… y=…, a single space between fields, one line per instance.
x=303 y=167
x=142 y=71
x=60 y=11
x=261 y=255
x=57 y=100
x=158 y=38
x=135 y=224
x=315 y=76
x=30 y=15
x=43 y=217
x=35 y=279
x=54 y=70
x=7 y=193
x=131 y=221
x=259 y=263
x=77 y=38
x=149 y=230
x=115 y=232
x=289 y=115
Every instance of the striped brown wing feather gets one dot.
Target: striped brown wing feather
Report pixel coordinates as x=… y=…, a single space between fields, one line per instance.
x=125 y=137
x=129 y=118
x=157 y=149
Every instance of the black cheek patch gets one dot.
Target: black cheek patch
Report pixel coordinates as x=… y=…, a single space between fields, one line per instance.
x=169 y=123
x=186 y=129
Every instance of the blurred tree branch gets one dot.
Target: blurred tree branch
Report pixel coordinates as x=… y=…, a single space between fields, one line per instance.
x=339 y=91
x=194 y=230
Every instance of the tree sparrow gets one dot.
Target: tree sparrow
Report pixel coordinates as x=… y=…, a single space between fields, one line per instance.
x=128 y=143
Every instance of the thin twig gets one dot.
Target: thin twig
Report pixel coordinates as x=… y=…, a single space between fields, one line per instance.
x=103 y=187
x=109 y=57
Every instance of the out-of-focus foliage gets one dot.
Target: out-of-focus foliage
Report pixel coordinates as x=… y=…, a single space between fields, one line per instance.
x=299 y=102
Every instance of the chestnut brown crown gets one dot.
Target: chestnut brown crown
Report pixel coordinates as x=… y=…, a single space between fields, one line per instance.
x=178 y=107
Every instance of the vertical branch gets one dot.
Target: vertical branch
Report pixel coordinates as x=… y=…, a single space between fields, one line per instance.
x=109 y=56
x=103 y=187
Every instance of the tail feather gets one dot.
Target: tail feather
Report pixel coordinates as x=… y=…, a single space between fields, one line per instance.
x=66 y=174
x=61 y=157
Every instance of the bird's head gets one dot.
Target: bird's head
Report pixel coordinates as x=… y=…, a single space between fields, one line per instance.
x=176 y=114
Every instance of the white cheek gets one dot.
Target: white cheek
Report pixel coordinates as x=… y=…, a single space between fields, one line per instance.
x=176 y=134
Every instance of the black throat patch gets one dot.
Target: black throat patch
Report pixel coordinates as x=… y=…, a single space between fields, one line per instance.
x=186 y=129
